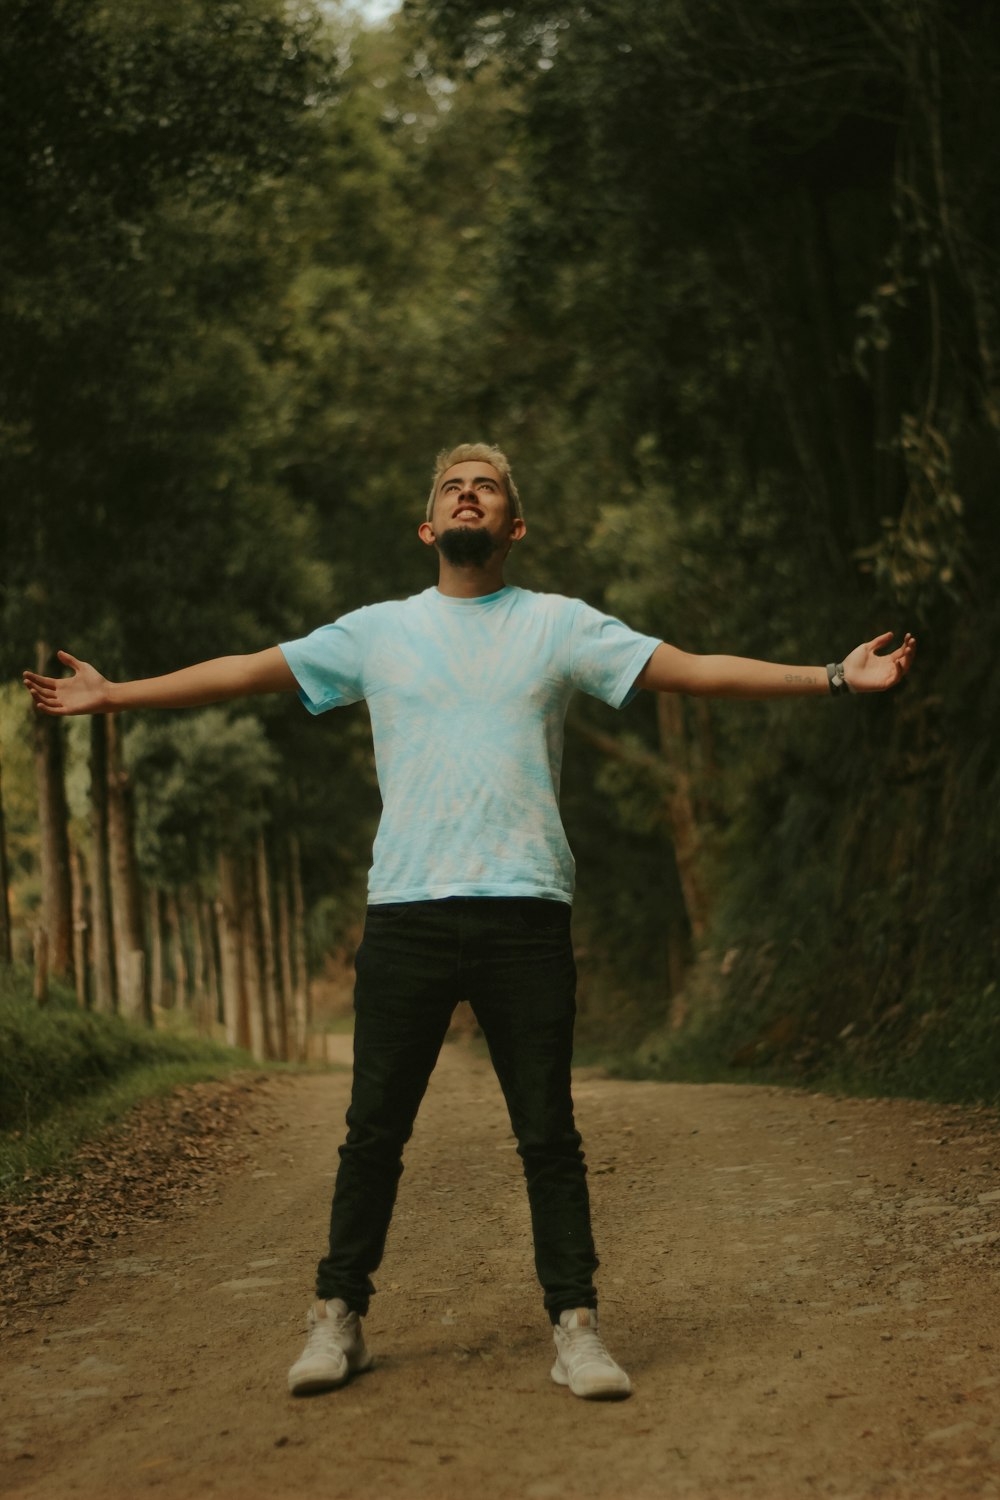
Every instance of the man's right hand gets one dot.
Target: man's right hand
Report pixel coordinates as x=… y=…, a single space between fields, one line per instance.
x=86 y=692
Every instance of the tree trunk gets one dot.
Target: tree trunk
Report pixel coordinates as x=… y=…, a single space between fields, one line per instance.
x=53 y=821
x=126 y=899
x=154 y=928
x=296 y=1044
x=300 y=968
x=188 y=900
x=102 y=943
x=6 y=937
x=227 y=912
x=213 y=985
x=191 y=917
x=273 y=1006
x=81 y=928
x=178 y=956
x=260 y=1042
x=41 y=957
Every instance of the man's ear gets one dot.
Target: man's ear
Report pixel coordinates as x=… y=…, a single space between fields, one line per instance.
x=517 y=530
x=425 y=531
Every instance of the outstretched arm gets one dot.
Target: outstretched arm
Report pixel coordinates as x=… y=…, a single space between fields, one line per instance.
x=670 y=670
x=87 y=692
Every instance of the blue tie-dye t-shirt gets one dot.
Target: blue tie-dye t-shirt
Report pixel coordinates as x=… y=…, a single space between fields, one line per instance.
x=467 y=700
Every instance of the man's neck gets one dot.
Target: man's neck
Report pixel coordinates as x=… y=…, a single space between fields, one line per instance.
x=469 y=583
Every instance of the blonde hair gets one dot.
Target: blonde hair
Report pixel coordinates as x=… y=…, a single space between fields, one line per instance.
x=466 y=452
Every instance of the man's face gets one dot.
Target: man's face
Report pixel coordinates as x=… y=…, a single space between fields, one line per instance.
x=470 y=499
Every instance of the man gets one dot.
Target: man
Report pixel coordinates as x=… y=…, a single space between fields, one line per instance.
x=472 y=879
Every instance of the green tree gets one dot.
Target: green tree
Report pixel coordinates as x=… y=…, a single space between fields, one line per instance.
x=143 y=170
x=753 y=256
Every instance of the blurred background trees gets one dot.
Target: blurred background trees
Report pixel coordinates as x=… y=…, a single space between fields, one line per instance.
x=721 y=279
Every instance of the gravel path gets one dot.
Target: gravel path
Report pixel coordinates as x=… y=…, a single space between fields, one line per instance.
x=804 y=1289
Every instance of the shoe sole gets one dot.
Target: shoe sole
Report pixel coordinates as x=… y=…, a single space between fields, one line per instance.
x=320 y=1383
x=609 y=1393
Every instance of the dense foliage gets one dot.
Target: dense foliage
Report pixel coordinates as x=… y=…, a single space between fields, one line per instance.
x=721 y=279
x=53 y=1056
x=760 y=248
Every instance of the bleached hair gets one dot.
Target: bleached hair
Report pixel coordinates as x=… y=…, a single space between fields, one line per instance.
x=467 y=452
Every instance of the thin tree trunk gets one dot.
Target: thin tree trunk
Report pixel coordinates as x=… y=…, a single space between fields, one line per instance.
x=126 y=899
x=213 y=984
x=53 y=820
x=6 y=936
x=227 y=911
x=178 y=956
x=191 y=916
x=300 y=967
x=154 y=928
x=260 y=1042
x=81 y=927
x=41 y=957
x=274 y=1010
x=102 y=942
x=295 y=1042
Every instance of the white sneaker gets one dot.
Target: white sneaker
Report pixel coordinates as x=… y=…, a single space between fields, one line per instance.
x=335 y=1349
x=583 y=1363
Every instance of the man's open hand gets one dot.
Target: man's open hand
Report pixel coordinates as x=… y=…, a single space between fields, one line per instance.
x=86 y=692
x=867 y=672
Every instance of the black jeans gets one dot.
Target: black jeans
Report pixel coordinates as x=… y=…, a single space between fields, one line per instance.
x=513 y=960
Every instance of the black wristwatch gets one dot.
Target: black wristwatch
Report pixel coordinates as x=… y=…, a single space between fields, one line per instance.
x=835 y=676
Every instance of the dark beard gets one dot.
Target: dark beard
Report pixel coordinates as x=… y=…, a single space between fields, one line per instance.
x=466 y=546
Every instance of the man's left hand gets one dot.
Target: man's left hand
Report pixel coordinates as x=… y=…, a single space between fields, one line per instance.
x=867 y=672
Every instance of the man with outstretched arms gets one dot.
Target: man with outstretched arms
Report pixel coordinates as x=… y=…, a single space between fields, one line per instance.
x=471 y=882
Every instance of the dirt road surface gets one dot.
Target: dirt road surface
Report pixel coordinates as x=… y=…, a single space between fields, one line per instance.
x=804 y=1289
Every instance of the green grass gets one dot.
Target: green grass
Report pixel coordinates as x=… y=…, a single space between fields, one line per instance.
x=27 y=1156
x=66 y=1074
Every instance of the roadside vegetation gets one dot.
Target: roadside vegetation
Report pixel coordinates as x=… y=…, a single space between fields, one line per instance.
x=67 y=1074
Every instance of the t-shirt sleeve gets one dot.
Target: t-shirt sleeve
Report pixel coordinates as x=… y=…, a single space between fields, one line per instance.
x=606 y=656
x=328 y=665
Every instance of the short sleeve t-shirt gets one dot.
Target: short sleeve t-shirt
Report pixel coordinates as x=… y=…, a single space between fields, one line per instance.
x=468 y=700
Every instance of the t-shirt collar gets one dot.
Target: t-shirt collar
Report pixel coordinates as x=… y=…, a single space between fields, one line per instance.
x=449 y=599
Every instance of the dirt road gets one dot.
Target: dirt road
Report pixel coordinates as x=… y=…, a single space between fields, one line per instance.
x=804 y=1290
